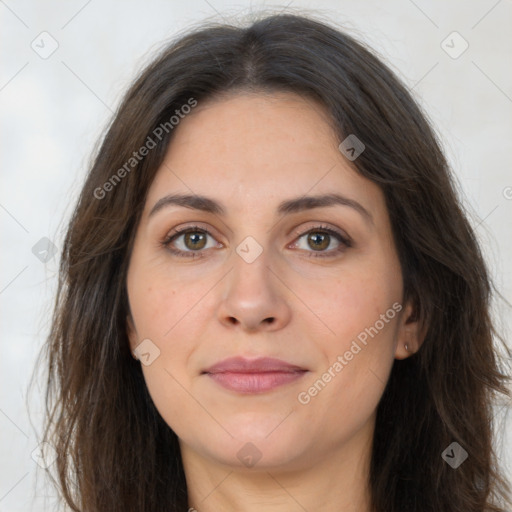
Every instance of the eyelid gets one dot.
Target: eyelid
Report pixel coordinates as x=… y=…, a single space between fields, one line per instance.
x=186 y=229
x=320 y=226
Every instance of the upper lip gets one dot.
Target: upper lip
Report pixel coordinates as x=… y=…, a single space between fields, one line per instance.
x=258 y=365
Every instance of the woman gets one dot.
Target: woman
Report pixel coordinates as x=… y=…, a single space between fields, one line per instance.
x=270 y=297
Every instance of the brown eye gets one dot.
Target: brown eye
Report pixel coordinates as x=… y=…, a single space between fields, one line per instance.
x=194 y=240
x=189 y=242
x=318 y=241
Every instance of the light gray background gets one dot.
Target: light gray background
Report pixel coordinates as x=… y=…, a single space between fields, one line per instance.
x=54 y=109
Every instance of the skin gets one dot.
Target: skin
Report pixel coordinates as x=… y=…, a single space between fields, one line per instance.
x=250 y=151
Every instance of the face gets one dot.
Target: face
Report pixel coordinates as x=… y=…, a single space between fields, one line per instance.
x=305 y=294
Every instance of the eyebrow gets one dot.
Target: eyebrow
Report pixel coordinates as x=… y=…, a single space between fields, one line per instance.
x=299 y=204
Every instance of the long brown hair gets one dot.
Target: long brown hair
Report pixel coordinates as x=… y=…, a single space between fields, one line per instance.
x=115 y=452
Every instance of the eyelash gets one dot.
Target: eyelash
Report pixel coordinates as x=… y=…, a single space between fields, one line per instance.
x=344 y=242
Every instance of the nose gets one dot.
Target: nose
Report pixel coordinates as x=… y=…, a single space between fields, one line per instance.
x=254 y=297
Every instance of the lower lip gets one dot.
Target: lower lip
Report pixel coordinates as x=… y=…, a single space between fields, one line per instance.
x=254 y=382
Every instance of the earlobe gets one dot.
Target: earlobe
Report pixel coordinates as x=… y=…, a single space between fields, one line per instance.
x=409 y=337
x=131 y=333
x=403 y=351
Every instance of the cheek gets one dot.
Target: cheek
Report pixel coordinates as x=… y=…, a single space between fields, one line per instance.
x=160 y=302
x=359 y=349
x=167 y=314
x=172 y=312
x=353 y=304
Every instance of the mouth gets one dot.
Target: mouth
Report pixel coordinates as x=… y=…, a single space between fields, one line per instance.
x=254 y=376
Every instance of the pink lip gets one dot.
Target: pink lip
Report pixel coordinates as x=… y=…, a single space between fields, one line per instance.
x=253 y=376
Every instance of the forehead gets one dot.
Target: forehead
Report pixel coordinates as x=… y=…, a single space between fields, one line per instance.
x=253 y=150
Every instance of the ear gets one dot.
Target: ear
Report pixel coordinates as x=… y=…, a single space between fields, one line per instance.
x=131 y=332
x=409 y=332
